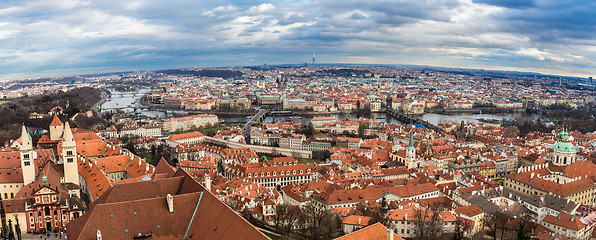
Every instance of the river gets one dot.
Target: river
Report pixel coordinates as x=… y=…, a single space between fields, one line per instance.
x=385 y=117
x=127 y=101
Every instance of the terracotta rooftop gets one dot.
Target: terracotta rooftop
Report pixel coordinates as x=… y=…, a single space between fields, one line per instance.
x=124 y=213
x=376 y=231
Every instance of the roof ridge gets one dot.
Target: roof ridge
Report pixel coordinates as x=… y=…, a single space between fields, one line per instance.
x=193 y=215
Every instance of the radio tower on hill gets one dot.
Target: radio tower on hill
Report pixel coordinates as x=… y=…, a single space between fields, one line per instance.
x=313 y=58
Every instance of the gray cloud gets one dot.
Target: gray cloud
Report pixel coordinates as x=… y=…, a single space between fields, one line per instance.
x=547 y=35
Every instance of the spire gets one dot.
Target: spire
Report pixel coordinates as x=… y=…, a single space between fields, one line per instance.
x=411 y=144
x=25 y=140
x=67 y=138
x=10 y=231
x=3 y=216
x=44 y=179
x=17 y=228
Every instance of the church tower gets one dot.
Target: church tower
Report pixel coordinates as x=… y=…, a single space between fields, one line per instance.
x=564 y=151
x=411 y=151
x=56 y=128
x=69 y=156
x=27 y=165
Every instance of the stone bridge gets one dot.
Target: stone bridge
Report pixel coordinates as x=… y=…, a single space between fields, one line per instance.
x=261 y=149
x=408 y=119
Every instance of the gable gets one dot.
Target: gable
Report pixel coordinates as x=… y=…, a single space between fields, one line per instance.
x=45 y=190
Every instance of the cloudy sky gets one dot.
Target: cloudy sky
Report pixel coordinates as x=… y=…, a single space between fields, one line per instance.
x=57 y=37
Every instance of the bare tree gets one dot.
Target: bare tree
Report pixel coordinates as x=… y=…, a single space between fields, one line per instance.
x=495 y=224
x=461 y=228
x=286 y=218
x=427 y=224
x=320 y=223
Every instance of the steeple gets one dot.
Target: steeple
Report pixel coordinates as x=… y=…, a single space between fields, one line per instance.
x=4 y=229
x=27 y=157
x=67 y=137
x=411 y=151
x=69 y=156
x=411 y=144
x=26 y=144
x=44 y=180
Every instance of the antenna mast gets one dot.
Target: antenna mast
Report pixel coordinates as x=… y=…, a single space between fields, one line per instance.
x=313 y=57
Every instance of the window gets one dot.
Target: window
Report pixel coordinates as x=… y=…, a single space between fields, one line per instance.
x=26 y=156
x=69 y=153
x=27 y=163
x=69 y=160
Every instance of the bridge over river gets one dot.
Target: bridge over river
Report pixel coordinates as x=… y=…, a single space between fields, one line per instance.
x=409 y=119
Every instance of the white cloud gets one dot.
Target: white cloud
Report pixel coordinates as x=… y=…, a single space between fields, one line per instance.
x=58 y=4
x=261 y=9
x=221 y=10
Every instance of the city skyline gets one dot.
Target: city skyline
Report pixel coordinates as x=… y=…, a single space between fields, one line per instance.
x=46 y=38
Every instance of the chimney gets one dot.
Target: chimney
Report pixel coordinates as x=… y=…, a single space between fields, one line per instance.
x=98 y=236
x=170 y=201
x=389 y=234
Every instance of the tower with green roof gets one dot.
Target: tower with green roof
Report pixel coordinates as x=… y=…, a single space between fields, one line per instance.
x=564 y=152
x=411 y=151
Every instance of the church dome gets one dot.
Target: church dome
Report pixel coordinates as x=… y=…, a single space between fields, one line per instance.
x=564 y=146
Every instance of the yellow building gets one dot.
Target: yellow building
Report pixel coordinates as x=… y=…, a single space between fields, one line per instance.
x=488 y=169
x=473 y=213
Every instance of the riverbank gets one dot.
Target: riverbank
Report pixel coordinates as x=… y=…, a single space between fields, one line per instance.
x=482 y=110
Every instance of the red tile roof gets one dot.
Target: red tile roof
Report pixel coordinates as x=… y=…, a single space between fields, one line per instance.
x=56 y=121
x=356 y=220
x=565 y=220
x=124 y=213
x=178 y=137
x=376 y=231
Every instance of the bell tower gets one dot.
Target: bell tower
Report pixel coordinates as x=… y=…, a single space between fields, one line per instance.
x=56 y=128
x=26 y=150
x=411 y=151
x=69 y=156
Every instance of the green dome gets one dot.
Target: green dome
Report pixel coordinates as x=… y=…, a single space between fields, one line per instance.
x=564 y=146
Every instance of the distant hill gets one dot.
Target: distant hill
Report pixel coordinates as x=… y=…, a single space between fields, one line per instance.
x=203 y=73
